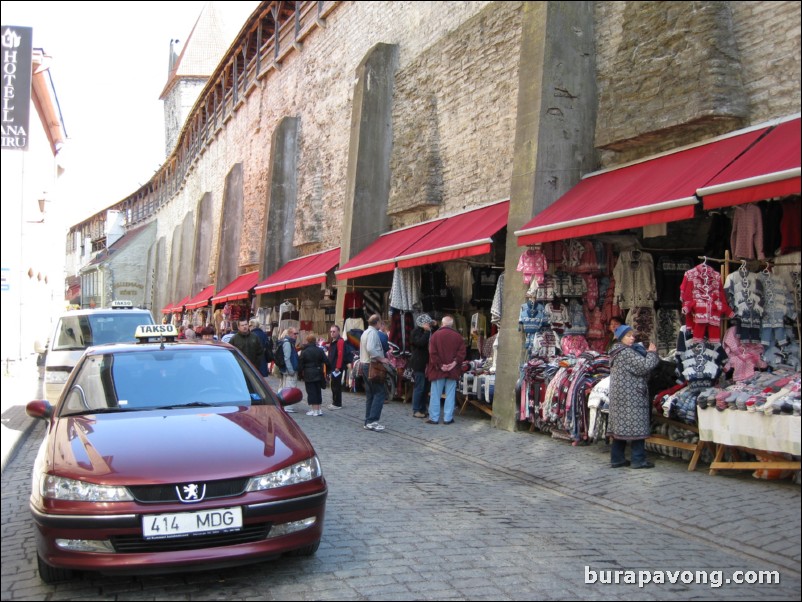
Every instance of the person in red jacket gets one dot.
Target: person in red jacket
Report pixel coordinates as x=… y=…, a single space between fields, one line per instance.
x=446 y=354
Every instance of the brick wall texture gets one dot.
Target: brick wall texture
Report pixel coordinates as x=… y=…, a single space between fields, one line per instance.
x=669 y=73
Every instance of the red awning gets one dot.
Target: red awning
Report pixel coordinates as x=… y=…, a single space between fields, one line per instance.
x=657 y=190
x=463 y=235
x=303 y=271
x=201 y=299
x=238 y=289
x=179 y=307
x=770 y=168
x=380 y=255
x=168 y=309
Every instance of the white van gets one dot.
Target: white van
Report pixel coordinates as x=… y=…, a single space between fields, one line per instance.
x=81 y=328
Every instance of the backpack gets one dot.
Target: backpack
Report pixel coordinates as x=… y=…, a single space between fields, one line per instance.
x=278 y=355
x=269 y=357
x=349 y=352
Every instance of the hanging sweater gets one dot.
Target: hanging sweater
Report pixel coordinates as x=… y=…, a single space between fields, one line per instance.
x=702 y=295
x=634 y=280
x=746 y=239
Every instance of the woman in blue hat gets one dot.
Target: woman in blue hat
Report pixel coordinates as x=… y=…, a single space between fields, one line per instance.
x=630 y=366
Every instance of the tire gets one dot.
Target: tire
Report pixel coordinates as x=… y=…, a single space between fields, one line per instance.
x=50 y=574
x=306 y=550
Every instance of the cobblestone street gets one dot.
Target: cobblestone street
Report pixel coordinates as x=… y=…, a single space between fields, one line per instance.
x=470 y=512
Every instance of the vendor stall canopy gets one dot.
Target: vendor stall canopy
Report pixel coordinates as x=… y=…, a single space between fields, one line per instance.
x=303 y=271
x=201 y=299
x=467 y=234
x=741 y=167
x=239 y=288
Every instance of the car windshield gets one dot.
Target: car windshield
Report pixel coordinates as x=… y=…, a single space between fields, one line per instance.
x=163 y=378
x=82 y=331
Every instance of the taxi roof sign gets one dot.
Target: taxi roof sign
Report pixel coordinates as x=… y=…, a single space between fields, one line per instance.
x=146 y=332
x=122 y=304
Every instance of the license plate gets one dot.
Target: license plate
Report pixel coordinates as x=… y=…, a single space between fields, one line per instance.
x=219 y=520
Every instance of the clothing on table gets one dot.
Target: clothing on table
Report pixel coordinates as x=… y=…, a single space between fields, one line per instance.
x=743 y=358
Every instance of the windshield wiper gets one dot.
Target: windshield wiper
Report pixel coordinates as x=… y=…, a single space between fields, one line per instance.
x=194 y=404
x=99 y=411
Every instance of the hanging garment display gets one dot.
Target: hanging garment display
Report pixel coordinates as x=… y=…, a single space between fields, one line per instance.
x=746 y=239
x=405 y=290
x=704 y=302
x=634 y=280
x=533 y=264
x=744 y=293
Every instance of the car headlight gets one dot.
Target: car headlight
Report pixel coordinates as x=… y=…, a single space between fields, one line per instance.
x=56 y=377
x=61 y=488
x=297 y=473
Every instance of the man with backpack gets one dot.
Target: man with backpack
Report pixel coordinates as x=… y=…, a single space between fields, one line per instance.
x=286 y=358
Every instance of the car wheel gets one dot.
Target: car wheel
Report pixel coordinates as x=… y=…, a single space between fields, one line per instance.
x=306 y=550
x=50 y=574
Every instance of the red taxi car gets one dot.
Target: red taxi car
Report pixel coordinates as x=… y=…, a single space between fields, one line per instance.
x=166 y=456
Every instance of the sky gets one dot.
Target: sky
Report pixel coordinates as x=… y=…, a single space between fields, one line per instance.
x=109 y=67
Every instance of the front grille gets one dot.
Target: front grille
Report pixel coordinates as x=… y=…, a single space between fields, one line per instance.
x=132 y=544
x=154 y=494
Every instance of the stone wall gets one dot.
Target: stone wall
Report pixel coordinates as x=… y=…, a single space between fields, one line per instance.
x=316 y=86
x=454 y=118
x=456 y=99
x=673 y=73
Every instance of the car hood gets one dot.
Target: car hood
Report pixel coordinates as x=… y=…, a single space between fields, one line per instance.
x=180 y=445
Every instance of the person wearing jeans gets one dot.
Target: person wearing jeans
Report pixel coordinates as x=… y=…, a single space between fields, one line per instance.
x=446 y=353
x=370 y=348
x=417 y=362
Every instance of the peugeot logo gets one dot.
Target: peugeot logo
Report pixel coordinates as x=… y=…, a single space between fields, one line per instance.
x=191 y=492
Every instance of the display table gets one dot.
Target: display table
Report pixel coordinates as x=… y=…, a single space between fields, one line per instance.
x=753 y=432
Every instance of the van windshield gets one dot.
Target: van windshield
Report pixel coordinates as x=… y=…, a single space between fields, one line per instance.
x=82 y=331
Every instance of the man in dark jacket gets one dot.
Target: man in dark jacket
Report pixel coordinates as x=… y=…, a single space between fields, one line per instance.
x=446 y=354
x=417 y=363
x=260 y=334
x=248 y=343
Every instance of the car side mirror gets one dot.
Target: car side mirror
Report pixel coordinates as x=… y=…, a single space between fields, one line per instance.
x=290 y=395
x=40 y=409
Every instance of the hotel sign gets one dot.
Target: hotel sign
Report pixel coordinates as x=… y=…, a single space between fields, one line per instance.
x=17 y=47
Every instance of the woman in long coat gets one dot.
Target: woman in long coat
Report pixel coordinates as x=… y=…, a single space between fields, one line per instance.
x=310 y=365
x=630 y=366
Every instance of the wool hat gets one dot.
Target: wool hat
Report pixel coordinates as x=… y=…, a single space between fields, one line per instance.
x=622 y=330
x=423 y=319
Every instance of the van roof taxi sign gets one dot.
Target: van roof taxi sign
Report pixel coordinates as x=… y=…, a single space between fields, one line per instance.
x=122 y=304
x=146 y=333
